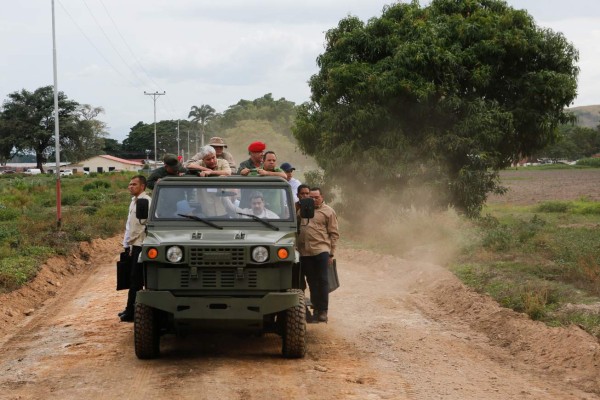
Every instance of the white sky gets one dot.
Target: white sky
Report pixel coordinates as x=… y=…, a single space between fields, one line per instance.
x=210 y=52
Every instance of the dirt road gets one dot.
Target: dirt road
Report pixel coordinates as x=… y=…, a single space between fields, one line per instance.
x=398 y=329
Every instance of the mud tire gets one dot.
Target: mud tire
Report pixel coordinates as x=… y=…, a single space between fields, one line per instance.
x=294 y=329
x=146 y=332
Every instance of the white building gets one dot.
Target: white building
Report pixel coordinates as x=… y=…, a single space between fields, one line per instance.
x=106 y=163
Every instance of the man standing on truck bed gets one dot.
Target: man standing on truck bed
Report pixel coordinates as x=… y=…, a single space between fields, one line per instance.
x=206 y=163
x=316 y=243
x=135 y=233
x=172 y=167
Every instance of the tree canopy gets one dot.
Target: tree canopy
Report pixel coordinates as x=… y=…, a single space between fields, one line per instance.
x=27 y=123
x=442 y=96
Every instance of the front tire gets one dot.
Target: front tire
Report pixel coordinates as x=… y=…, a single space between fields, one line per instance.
x=294 y=329
x=146 y=332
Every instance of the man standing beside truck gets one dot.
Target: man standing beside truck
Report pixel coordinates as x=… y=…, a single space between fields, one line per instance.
x=135 y=233
x=317 y=243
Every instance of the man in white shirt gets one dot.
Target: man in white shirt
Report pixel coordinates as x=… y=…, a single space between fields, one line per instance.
x=294 y=183
x=257 y=207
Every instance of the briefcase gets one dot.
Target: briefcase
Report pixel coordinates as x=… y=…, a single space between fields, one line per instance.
x=124 y=271
x=334 y=281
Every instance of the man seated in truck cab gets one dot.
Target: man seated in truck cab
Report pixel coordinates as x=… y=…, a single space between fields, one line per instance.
x=257 y=207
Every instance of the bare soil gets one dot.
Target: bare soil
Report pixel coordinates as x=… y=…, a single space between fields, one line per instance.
x=398 y=329
x=527 y=187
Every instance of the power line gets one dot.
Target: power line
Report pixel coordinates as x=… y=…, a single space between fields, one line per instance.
x=95 y=47
x=111 y=43
x=135 y=58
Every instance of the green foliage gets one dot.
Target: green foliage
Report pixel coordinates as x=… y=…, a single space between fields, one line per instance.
x=279 y=113
x=141 y=138
x=239 y=137
x=96 y=184
x=8 y=214
x=589 y=162
x=15 y=271
x=573 y=143
x=443 y=96
x=537 y=263
x=27 y=122
x=28 y=231
x=554 y=206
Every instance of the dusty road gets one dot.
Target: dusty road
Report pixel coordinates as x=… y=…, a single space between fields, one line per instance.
x=398 y=329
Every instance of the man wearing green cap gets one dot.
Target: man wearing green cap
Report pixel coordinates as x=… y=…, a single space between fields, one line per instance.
x=172 y=167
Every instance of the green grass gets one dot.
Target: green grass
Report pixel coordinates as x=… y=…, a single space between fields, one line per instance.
x=538 y=259
x=92 y=207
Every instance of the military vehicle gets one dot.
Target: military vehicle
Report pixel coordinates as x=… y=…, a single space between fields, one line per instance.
x=220 y=256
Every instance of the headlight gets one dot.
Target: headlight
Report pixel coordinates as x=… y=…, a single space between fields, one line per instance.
x=260 y=254
x=174 y=254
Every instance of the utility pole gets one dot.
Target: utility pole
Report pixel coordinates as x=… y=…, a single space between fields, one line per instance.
x=178 y=154
x=188 y=142
x=56 y=127
x=154 y=96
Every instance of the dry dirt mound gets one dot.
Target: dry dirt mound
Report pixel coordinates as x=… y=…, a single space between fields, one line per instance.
x=570 y=354
x=53 y=275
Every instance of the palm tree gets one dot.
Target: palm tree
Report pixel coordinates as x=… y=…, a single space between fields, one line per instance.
x=202 y=116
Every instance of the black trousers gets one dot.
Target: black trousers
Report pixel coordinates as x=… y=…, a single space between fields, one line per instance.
x=137 y=279
x=315 y=269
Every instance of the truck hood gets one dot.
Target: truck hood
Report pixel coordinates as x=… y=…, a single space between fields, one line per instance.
x=216 y=237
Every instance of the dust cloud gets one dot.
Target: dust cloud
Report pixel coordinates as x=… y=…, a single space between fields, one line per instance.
x=419 y=231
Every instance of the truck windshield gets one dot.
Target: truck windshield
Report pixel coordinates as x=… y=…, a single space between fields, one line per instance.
x=223 y=202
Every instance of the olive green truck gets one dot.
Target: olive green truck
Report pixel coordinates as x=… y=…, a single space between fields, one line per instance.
x=220 y=256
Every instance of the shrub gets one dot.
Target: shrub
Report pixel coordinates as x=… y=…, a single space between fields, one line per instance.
x=554 y=207
x=97 y=184
x=9 y=214
x=589 y=162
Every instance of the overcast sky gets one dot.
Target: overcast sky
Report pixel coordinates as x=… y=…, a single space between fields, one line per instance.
x=208 y=52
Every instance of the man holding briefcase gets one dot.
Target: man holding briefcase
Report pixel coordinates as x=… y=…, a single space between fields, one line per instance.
x=316 y=243
x=135 y=233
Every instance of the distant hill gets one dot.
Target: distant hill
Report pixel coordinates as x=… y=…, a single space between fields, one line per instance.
x=588 y=116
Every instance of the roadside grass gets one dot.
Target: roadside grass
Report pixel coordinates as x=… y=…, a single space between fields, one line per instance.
x=91 y=207
x=542 y=260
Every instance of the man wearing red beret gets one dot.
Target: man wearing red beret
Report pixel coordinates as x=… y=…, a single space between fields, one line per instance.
x=255 y=164
x=256 y=151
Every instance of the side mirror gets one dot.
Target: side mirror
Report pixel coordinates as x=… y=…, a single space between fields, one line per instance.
x=141 y=208
x=307 y=208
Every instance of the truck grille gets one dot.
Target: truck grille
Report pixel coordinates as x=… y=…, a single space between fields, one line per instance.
x=218 y=278
x=217 y=257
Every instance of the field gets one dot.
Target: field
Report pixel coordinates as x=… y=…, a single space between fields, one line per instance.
x=527 y=187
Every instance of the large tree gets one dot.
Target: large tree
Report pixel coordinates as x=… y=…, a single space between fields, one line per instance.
x=442 y=96
x=141 y=138
x=29 y=117
x=91 y=134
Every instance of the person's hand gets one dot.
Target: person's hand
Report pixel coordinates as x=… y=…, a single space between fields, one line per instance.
x=262 y=172
x=245 y=171
x=330 y=261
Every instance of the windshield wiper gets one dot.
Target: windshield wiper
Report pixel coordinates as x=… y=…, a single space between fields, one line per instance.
x=195 y=218
x=267 y=223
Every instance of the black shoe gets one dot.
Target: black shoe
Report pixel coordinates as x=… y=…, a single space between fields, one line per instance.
x=322 y=316
x=122 y=312
x=126 y=317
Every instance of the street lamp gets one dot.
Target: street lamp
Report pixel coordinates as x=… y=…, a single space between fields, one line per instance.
x=154 y=96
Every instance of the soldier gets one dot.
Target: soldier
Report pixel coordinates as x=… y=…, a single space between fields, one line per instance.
x=172 y=167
